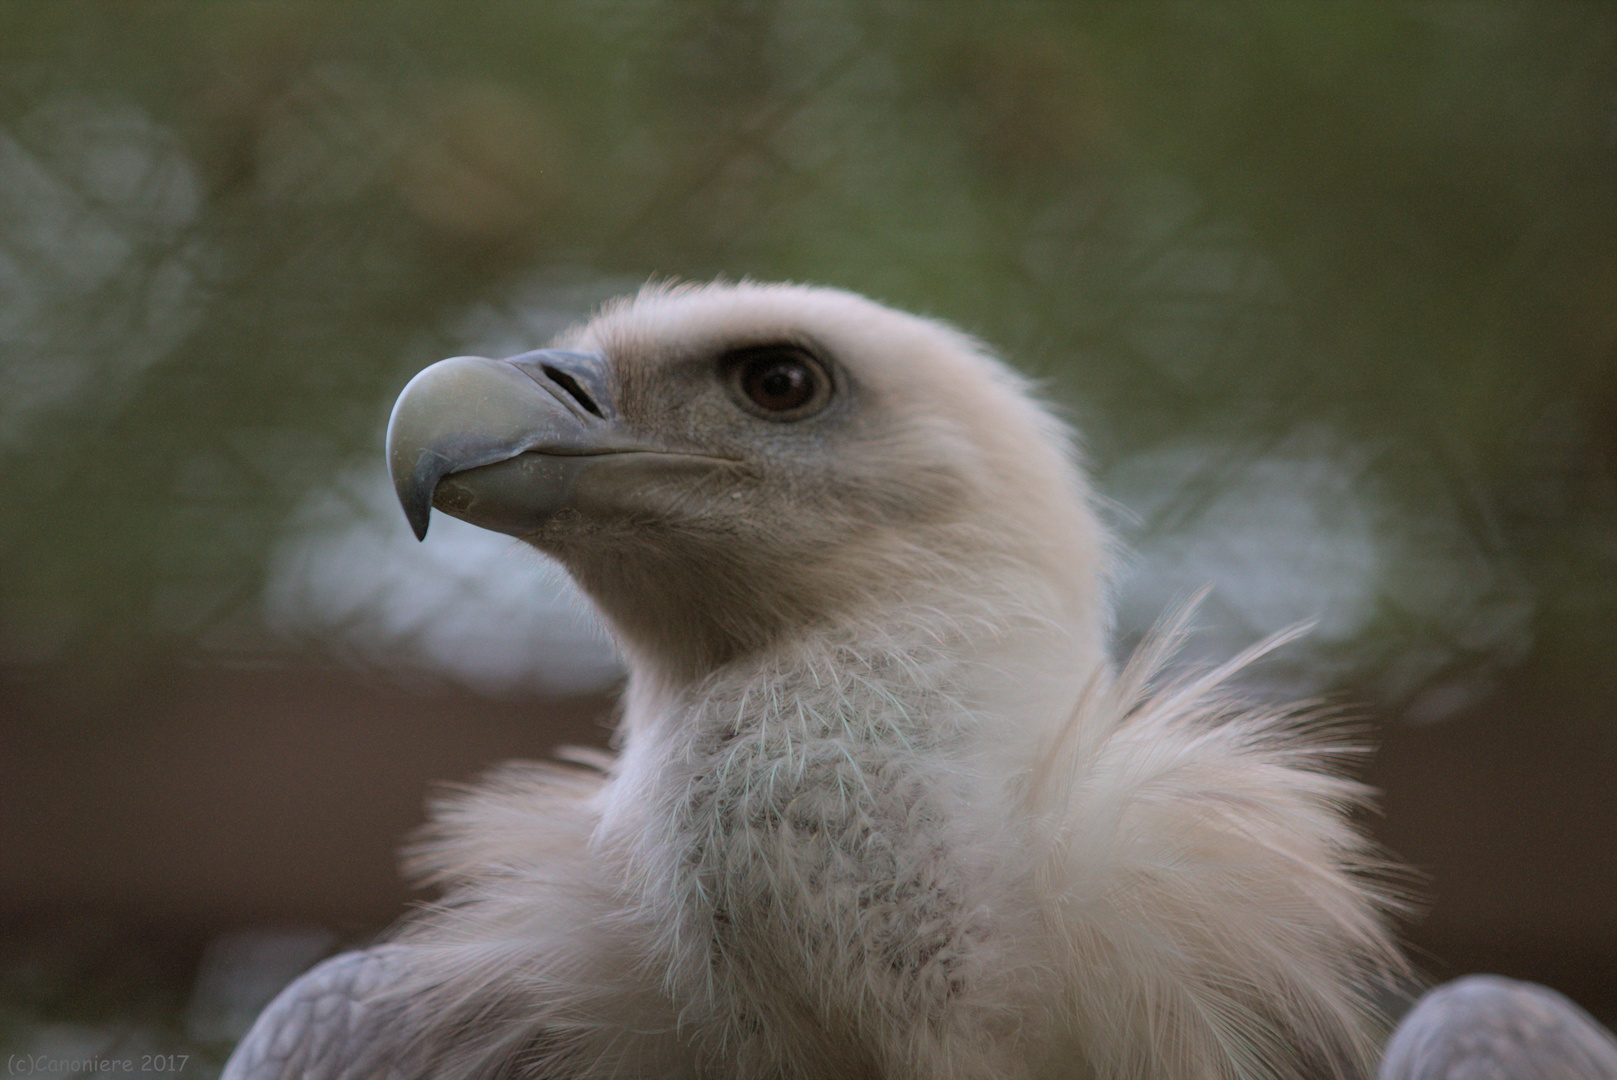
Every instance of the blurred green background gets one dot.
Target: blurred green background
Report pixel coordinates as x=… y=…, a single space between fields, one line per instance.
x=1329 y=289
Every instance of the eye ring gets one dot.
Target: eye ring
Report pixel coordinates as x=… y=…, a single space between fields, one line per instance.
x=777 y=382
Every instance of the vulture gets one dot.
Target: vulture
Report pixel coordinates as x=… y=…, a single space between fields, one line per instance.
x=881 y=803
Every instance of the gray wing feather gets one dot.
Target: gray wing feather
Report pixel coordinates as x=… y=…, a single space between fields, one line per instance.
x=1485 y=1027
x=335 y=1022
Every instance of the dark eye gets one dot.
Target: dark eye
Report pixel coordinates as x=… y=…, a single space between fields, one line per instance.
x=779 y=381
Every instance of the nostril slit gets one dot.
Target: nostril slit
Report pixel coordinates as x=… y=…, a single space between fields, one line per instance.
x=570 y=384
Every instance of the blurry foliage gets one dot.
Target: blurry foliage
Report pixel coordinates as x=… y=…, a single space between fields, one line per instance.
x=1347 y=270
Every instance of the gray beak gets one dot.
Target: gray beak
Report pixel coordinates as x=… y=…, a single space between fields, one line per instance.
x=500 y=443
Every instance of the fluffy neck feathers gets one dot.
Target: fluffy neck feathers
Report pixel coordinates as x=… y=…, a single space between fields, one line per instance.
x=1189 y=858
x=1166 y=886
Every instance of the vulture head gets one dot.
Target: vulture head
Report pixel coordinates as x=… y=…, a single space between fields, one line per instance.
x=723 y=466
x=882 y=807
x=881 y=802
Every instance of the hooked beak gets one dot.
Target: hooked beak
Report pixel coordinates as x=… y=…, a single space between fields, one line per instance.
x=502 y=443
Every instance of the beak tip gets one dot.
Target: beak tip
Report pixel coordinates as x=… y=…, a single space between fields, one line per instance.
x=415 y=488
x=416 y=501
